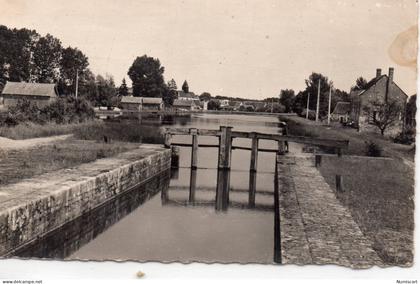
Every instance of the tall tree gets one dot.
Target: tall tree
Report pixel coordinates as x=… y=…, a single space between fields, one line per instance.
x=146 y=73
x=169 y=96
x=185 y=87
x=72 y=61
x=16 y=48
x=46 y=59
x=123 y=89
x=287 y=98
x=106 y=93
x=361 y=84
x=312 y=89
x=172 y=85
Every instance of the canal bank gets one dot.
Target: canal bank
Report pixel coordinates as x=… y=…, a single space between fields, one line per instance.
x=315 y=228
x=32 y=208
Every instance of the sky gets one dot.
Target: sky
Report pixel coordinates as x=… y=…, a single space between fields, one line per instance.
x=245 y=48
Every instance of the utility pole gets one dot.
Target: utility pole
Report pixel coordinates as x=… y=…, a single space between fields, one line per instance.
x=329 y=107
x=317 y=101
x=77 y=82
x=272 y=104
x=307 y=106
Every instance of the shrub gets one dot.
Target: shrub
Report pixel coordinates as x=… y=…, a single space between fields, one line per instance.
x=373 y=149
x=408 y=137
x=61 y=111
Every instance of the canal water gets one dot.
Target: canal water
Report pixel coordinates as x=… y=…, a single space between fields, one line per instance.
x=186 y=215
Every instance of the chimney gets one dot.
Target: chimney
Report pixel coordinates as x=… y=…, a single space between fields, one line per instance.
x=389 y=83
x=378 y=73
x=391 y=75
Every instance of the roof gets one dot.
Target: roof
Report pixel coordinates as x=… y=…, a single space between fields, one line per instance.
x=151 y=101
x=342 y=108
x=375 y=80
x=30 y=89
x=131 y=100
x=141 y=100
x=183 y=103
x=189 y=95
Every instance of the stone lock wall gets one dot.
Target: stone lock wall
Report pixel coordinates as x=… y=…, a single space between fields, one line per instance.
x=36 y=206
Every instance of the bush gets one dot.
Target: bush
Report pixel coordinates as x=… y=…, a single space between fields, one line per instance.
x=311 y=114
x=408 y=137
x=373 y=149
x=61 y=111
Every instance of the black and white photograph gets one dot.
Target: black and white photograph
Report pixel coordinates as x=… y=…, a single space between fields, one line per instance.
x=272 y=133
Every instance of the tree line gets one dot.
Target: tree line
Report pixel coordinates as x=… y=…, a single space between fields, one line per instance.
x=26 y=56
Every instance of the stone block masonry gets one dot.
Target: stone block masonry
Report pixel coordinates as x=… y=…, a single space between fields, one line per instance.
x=33 y=207
x=315 y=228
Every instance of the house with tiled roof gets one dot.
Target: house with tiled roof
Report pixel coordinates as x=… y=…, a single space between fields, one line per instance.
x=382 y=88
x=40 y=94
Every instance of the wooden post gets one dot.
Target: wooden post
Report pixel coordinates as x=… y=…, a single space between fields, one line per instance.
x=222 y=190
x=193 y=185
x=318 y=159
x=254 y=154
x=175 y=157
x=194 y=148
x=339 y=153
x=339 y=183
x=225 y=147
x=282 y=148
x=168 y=140
x=252 y=189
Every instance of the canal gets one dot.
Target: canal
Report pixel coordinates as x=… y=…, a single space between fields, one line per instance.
x=183 y=215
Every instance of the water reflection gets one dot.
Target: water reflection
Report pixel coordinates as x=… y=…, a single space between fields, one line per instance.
x=72 y=236
x=221 y=192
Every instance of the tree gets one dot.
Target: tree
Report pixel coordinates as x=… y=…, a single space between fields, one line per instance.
x=185 y=87
x=169 y=96
x=16 y=48
x=383 y=114
x=312 y=89
x=46 y=59
x=172 y=85
x=287 y=98
x=146 y=73
x=72 y=61
x=123 y=89
x=361 y=84
x=213 y=105
x=105 y=91
x=205 y=96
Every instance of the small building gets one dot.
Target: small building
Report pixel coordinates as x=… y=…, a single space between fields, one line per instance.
x=141 y=103
x=341 y=112
x=185 y=105
x=382 y=88
x=40 y=94
x=187 y=96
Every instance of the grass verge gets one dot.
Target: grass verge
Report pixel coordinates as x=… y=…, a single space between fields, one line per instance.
x=16 y=165
x=379 y=194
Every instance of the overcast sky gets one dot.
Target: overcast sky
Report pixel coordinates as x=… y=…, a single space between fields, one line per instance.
x=240 y=48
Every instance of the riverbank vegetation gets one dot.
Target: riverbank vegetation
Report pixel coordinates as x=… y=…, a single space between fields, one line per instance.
x=358 y=141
